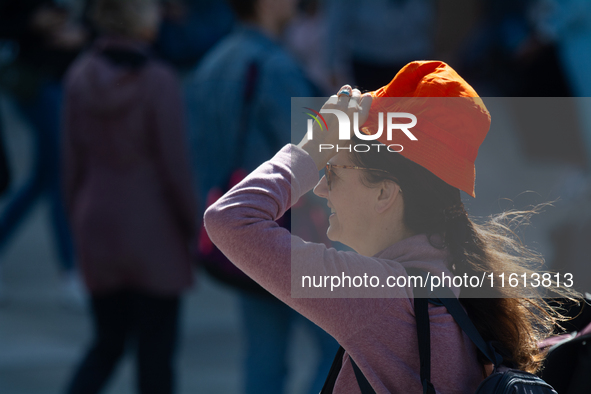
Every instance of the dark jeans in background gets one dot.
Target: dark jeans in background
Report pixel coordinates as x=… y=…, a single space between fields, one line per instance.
x=43 y=113
x=147 y=322
x=268 y=329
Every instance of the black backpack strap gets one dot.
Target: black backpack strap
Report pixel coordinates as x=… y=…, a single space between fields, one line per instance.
x=361 y=379
x=453 y=306
x=421 y=305
x=444 y=296
x=334 y=373
x=335 y=368
x=424 y=335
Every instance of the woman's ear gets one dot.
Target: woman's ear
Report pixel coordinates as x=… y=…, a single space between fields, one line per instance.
x=388 y=193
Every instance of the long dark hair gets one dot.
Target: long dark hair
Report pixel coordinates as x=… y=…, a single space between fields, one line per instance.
x=509 y=317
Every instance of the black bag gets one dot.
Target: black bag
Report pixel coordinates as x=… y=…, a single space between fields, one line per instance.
x=568 y=364
x=503 y=380
x=214 y=261
x=207 y=254
x=310 y=225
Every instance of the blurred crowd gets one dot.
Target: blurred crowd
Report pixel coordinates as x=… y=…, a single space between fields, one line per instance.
x=139 y=109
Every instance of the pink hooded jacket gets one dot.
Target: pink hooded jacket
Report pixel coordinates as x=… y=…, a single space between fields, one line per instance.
x=127 y=180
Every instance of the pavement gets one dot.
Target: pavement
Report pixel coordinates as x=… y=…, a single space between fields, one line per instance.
x=41 y=338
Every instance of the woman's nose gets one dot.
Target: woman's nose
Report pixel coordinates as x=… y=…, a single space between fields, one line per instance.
x=321 y=189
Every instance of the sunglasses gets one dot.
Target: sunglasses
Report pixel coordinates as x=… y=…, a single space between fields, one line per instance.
x=328 y=172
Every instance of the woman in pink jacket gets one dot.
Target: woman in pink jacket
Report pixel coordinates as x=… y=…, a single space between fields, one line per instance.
x=129 y=195
x=397 y=204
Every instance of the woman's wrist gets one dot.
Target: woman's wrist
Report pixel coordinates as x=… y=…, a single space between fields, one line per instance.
x=312 y=148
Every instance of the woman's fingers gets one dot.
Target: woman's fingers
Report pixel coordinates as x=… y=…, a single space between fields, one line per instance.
x=364 y=107
x=346 y=102
x=350 y=101
x=354 y=102
x=344 y=95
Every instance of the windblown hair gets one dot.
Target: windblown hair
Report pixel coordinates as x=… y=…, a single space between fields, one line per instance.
x=513 y=319
x=126 y=18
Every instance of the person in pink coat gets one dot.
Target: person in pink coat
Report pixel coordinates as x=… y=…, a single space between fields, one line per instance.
x=129 y=196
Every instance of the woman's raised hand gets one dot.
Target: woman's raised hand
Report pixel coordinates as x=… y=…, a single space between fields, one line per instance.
x=343 y=104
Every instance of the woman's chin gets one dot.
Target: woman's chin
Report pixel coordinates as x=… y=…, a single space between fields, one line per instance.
x=331 y=234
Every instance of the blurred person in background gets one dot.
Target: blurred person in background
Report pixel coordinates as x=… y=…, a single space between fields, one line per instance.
x=507 y=56
x=503 y=56
x=567 y=25
x=189 y=28
x=368 y=40
x=127 y=188
x=306 y=39
x=46 y=40
x=252 y=56
x=538 y=49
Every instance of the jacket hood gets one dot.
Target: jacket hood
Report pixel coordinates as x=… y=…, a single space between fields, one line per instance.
x=110 y=77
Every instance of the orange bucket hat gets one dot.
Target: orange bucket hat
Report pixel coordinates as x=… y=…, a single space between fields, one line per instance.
x=451 y=123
